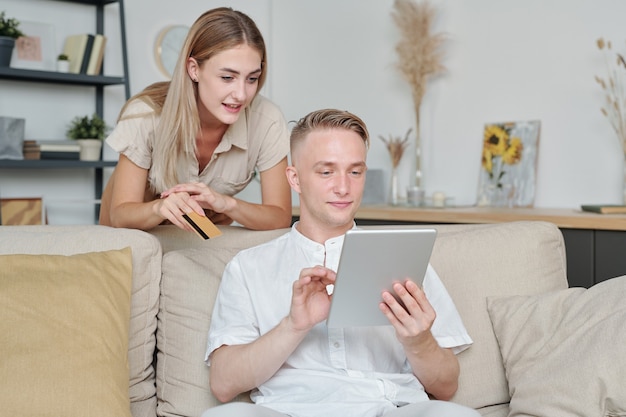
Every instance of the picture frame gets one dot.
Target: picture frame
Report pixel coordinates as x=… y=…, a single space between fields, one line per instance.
x=22 y=211
x=508 y=166
x=37 y=49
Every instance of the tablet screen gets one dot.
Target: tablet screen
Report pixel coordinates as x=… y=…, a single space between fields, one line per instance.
x=371 y=260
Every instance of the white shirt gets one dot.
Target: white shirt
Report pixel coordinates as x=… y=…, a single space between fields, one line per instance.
x=333 y=372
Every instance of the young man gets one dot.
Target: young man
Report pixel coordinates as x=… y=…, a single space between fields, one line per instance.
x=268 y=331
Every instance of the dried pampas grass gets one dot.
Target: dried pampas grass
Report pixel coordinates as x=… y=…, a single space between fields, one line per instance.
x=614 y=87
x=396 y=147
x=419 y=52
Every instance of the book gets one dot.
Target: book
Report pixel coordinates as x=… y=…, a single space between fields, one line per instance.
x=58 y=146
x=97 y=55
x=604 y=208
x=87 y=54
x=31 y=150
x=69 y=155
x=74 y=48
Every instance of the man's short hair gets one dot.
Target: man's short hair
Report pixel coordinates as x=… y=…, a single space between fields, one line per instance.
x=325 y=119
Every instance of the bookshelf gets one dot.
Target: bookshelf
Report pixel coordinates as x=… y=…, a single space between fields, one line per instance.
x=99 y=82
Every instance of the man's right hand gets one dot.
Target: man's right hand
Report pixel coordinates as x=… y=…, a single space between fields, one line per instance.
x=310 y=301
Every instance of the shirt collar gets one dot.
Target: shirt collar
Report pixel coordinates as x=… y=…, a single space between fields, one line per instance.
x=308 y=243
x=236 y=134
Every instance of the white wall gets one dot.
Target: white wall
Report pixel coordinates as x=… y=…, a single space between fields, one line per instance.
x=507 y=60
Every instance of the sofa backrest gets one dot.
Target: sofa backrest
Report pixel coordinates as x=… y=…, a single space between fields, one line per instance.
x=478 y=261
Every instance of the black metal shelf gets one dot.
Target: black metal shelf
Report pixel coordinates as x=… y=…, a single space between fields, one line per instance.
x=19 y=74
x=91 y=2
x=96 y=81
x=53 y=164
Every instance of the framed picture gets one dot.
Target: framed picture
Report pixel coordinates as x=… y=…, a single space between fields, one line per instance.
x=22 y=211
x=509 y=159
x=35 y=50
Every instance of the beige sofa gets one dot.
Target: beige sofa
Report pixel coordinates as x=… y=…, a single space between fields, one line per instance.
x=540 y=348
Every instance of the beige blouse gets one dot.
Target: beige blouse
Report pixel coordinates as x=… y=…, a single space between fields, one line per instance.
x=258 y=139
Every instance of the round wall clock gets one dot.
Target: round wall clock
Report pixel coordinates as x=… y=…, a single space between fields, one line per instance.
x=168 y=44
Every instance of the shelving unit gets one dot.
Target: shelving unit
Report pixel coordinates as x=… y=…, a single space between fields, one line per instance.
x=97 y=81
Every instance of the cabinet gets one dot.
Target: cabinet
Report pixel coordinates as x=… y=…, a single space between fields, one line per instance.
x=594 y=243
x=99 y=82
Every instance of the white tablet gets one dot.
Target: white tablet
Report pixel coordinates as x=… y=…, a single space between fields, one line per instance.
x=371 y=260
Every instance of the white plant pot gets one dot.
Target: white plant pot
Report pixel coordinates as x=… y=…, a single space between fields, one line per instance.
x=90 y=149
x=63 y=66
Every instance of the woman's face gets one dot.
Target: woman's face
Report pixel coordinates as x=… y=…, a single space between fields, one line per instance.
x=227 y=83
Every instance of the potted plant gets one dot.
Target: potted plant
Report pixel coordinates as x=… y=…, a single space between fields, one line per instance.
x=63 y=63
x=9 y=32
x=89 y=131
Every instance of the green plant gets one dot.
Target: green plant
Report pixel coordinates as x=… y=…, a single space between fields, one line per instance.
x=63 y=57
x=87 y=127
x=9 y=27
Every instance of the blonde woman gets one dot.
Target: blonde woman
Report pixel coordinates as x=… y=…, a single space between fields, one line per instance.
x=193 y=143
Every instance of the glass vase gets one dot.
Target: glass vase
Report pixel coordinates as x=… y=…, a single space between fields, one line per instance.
x=624 y=181
x=393 y=187
x=499 y=195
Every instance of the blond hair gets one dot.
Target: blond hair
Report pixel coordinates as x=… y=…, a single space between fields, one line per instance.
x=175 y=101
x=325 y=119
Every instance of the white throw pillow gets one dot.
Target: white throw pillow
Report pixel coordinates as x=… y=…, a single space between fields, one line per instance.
x=563 y=351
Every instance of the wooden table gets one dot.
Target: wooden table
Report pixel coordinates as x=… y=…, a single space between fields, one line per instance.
x=595 y=243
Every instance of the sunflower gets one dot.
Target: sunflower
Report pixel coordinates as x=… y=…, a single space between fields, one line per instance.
x=513 y=154
x=496 y=140
x=499 y=150
x=487 y=160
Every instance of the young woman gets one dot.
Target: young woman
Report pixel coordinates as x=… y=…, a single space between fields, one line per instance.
x=193 y=143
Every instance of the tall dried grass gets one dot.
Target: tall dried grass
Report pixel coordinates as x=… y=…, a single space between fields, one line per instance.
x=420 y=55
x=614 y=87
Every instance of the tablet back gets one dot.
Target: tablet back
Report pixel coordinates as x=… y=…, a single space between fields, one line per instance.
x=371 y=260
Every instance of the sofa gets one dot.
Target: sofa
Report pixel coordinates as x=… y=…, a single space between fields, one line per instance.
x=96 y=318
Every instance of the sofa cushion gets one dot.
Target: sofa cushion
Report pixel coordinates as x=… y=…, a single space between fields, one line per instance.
x=563 y=351
x=494 y=260
x=189 y=286
x=64 y=334
x=146 y=260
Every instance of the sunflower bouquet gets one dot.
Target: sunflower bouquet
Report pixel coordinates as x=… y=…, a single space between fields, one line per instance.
x=500 y=150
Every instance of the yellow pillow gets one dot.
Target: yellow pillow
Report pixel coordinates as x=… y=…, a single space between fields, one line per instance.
x=64 y=334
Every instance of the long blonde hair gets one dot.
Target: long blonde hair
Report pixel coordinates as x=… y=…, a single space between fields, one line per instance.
x=213 y=32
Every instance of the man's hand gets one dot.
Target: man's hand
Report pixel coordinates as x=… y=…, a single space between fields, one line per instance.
x=413 y=321
x=310 y=302
x=436 y=368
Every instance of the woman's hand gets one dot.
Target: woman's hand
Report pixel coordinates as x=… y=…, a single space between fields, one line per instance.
x=172 y=207
x=206 y=198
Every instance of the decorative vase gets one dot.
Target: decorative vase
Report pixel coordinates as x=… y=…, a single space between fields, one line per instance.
x=624 y=183
x=90 y=149
x=499 y=195
x=393 y=187
x=6 y=50
x=63 y=66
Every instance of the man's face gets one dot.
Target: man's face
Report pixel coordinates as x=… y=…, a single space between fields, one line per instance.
x=329 y=174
